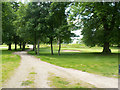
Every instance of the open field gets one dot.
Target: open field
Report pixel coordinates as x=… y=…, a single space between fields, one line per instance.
x=88 y=59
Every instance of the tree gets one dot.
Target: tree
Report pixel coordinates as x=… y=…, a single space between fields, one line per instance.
x=31 y=23
x=15 y=7
x=99 y=21
x=64 y=35
x=58 y=10
x=9 y=27
x=61 y=26
x=50 y=28
x=35 y=22
x=20 y=25
x=7 y=24
x=43 y=12
x=56 y=20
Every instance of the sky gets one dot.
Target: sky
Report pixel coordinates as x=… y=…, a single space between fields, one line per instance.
x=76 y=39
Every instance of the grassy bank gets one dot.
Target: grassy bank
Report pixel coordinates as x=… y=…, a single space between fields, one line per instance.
x=87 y=60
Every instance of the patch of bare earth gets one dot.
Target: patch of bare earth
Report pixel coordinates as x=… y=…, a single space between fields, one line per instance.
x=30 y=64
x=70 y=51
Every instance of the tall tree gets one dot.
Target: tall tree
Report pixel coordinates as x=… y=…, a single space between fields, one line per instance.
x=20 y=25
x=36 y=15
x=99 y=21
x=61 y=26
x=7 y=24
x=15 y=7
x=51 y=27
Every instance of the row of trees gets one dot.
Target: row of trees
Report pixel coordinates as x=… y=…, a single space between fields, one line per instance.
x=48 y=22
x=8 y=18
x=35 y=23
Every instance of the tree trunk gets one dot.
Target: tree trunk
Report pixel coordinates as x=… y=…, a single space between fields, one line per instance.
x=35 y=42
x=20 y=46
x=35 y=48
x=106 y=49
x=51 y=40
x=23 y=46
x=38 y=47
x=59 y=42
x=118 y=46
x=107 y=31
x=9 y=46
x=15 y=46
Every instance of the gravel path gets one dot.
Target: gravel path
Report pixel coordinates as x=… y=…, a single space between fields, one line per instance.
x=42 y=69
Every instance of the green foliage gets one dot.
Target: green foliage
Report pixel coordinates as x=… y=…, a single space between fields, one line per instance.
x=9 y=16
x=35 y=15
x=20 y=22
x=7 y=23
x=32 y=73
x=42 y=22
x=98 y=20
x=27 y=83
x=48 y=21
x=61 y=25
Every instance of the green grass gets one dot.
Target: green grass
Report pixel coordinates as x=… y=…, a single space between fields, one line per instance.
x=30 y=80
x=86 y=49
x=32 y=73
x=27 y=83
x=0 y=69
x=5 y=47
x=59 y=82
x=88 y=59
x=9 y=63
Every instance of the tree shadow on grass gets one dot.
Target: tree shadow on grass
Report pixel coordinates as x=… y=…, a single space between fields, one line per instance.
x=74 y=54
x=10 y=51
x=45 y=51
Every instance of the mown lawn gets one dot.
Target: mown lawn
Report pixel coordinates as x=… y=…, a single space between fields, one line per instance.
x=87 y=60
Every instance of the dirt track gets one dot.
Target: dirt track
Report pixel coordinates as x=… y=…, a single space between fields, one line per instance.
x=42 y=69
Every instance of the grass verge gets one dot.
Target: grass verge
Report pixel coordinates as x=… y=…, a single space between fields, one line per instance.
x=9 y=63
x=59 y=82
